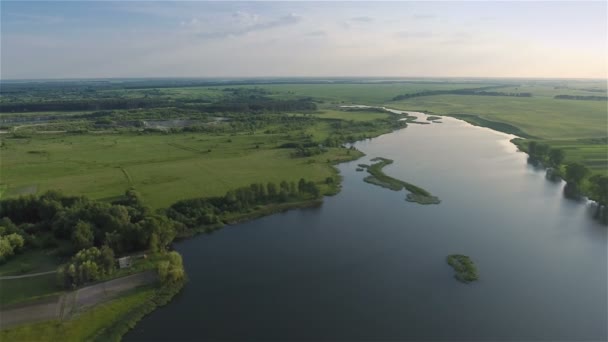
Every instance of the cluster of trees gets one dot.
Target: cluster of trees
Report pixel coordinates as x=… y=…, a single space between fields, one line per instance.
x=87 y=265
x=198 y=212
x=301 y=151
x=75 y=223
x=575 y=175
x=257 y=105
x=9 y=244
x=171 y=271
x=582 y=97
x=83 y=104
x=543 y=153
x=241 y=101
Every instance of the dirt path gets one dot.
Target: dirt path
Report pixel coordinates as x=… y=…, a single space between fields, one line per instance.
x=64 y=306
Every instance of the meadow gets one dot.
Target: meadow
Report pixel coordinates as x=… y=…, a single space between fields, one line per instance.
x=162 y=167
x=167 y=167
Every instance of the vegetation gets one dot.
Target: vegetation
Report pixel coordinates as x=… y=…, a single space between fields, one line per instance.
x=378 y=177
x=549 y=117
x=87 y=265
x=206 y=214
x=87 y=325
x=579 y=97
x=466 y=271
x=140 y=163
x=26 y=289
x=580 y=179
x=468 y=91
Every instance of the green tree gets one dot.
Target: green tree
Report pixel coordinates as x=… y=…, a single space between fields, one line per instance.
x=293 y=189
x=82 y=237
x=542 y=151
x=171 y=272
x=575 y=173
x=599 y=189
x=532 y=148
x=302 y=185
x=556 y=157
x=9 y=245
x=272 y=190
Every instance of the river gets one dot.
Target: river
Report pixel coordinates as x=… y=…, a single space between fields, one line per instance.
x=369 y=265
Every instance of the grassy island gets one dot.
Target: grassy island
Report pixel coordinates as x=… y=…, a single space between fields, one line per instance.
x=466 y=271
x=378 y=177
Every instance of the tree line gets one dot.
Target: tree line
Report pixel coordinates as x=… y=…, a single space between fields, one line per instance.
x=581 y=97
x=470 y=91
x=211 y=211
x=575 y=174
x=240 y=105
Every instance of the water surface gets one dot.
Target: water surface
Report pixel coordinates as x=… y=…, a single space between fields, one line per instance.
x=368 y=265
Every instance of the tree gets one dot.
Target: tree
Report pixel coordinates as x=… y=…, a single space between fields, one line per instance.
x=293 y=190
x=532 y=148
x=158 y=232
x=82 y=237
x=9 y=244
x=599 y=189
x=284 y=186
x=575 y=173
x=106 y=259
x=542 y=151
x=302 y=185
x=272 y=190
x=556 y=157
x=87 y=265
x=171 y=272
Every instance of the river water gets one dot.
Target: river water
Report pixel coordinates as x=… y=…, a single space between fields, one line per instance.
x=369 y=265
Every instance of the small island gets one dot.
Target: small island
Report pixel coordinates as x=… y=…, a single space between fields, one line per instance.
x=466 y=271
x=434 y=118
x=377 y=177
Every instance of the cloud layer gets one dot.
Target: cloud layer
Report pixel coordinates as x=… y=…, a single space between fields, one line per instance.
x=198 y=39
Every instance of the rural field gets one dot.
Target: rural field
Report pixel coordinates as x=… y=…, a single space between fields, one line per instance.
x=168 y=166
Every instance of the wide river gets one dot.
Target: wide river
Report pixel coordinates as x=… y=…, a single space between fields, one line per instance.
x=368 y=265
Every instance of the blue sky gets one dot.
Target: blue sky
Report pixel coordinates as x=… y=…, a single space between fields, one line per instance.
x=82 y=39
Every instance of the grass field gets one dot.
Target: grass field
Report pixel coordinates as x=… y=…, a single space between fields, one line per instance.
x=546 y=118
x=364 y=94
x=31 y=261
x=166 y=168
x=19 y=290
x=84 y=327
x=163 y=168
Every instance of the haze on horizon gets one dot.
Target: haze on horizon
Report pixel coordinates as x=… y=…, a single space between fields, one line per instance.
x=92 y=39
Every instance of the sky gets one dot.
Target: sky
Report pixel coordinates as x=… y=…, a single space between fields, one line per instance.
x=100 y=39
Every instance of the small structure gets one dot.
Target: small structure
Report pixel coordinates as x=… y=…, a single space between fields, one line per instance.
x=124 y=262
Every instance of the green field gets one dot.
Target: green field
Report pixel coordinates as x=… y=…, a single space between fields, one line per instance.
x=543 y=117
x=31 y=261
x=168 y=167
x=163 y=168
x=363 y=94
x=25 y=289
